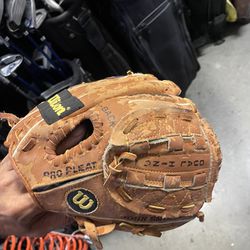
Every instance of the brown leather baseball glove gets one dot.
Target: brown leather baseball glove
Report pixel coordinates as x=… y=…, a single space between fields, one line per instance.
x=146 y=162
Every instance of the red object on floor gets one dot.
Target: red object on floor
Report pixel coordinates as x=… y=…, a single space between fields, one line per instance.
x=51 y=241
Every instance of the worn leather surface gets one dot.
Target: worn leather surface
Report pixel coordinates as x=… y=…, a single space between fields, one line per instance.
x=149 y=165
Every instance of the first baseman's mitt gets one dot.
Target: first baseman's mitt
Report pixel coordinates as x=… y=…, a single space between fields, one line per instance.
x=146 y=165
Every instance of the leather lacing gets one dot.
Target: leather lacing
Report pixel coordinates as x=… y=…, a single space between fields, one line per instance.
x=140 y=230
x=89 y=228
x=10 y=118
x=118 y=161
x=58 y=134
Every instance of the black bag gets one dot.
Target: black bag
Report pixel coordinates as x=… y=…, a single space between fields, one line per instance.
x=76 y=33
x=206 y=20
x=154 y=35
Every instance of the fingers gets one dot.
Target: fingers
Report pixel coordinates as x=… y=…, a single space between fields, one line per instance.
x=10 y=181
x=48 y=222
x=32 y=221
x=5 y=164
x=16 y=213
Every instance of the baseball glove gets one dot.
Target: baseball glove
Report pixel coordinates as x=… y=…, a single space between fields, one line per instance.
x=146 y=164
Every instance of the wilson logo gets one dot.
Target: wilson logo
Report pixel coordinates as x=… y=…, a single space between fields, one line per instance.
x=82 y=201
x=59 y=106
x=55 y=103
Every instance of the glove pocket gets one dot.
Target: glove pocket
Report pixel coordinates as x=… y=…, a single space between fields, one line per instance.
x=165 y=194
